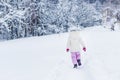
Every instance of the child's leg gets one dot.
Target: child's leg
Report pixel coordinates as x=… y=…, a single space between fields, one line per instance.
x=73 y=57
x=78 y=55
x=78 y=58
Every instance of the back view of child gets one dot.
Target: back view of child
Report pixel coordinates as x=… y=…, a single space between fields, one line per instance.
x=74 y=45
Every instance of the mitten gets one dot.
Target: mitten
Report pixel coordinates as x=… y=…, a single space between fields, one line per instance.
x=67 y=50
x=84 y=49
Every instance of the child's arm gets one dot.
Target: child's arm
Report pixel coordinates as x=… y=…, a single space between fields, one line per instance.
x=82 y=43
x=68 y=44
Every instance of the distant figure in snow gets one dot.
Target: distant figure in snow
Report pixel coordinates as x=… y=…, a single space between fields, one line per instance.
x=112 y=27
x=112 y=24
x=74 y=45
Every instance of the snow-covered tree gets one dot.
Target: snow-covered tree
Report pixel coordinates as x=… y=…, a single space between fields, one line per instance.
x=43 y=17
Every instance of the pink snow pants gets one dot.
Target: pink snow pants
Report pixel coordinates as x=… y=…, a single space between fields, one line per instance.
x=75 y=56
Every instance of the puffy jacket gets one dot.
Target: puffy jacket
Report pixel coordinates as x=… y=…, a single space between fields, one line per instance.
x=75 y=43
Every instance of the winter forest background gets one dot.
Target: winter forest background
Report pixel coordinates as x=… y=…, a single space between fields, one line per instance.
x=26 y=18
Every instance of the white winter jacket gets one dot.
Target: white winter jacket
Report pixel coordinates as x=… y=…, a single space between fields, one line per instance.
x=75 y=43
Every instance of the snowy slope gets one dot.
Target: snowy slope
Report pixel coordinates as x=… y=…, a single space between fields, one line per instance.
x=44 y=58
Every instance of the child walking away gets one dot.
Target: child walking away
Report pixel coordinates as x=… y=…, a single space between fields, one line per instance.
x=74 y=45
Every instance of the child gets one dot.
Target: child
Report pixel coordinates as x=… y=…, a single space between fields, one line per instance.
x=74 y=45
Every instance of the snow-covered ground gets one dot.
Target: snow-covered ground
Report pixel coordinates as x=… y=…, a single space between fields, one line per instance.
x=45 y=58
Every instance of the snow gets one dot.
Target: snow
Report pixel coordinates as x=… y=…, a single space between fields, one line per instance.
x=45 y=58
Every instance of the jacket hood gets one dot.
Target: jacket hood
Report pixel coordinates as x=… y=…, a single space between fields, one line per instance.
x=74 y=34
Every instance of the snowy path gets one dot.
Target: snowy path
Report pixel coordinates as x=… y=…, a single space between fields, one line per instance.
x=64 y=71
